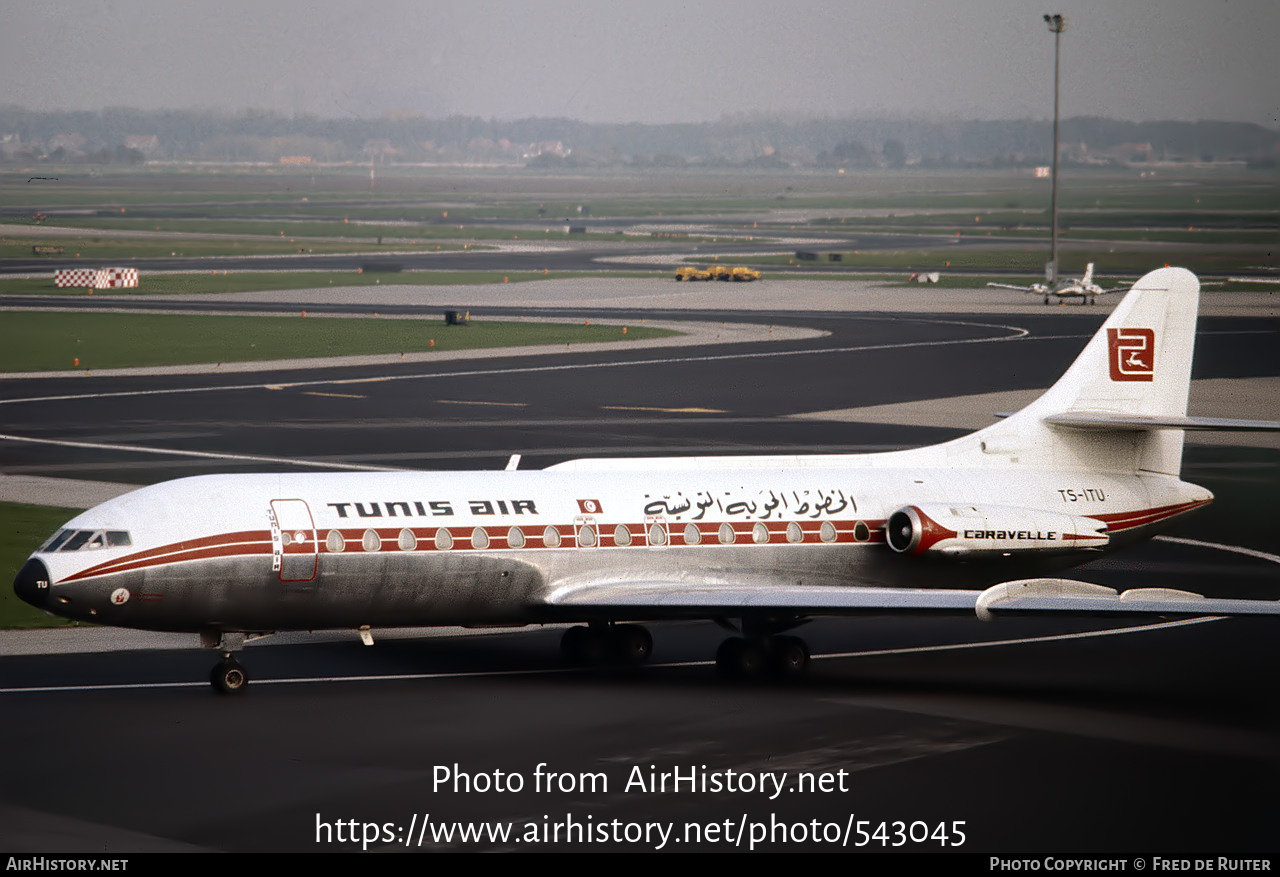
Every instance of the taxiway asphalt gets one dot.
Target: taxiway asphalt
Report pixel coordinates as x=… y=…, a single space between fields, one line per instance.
x=1037 y=745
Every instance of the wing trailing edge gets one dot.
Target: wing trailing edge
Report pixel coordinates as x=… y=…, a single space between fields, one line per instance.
x=716 y=597
x=1024 y=596
x=1067 y=596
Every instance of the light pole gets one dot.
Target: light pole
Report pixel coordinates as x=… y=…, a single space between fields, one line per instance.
x=1057 y=24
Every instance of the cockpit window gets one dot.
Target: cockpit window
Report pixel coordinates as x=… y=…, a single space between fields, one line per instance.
x=77 y=540
x=56 y=540
x=87 y=540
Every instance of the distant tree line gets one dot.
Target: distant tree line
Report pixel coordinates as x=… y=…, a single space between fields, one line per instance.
x=744 y=140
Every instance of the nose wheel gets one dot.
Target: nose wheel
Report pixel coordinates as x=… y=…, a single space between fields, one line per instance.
x=228 y=677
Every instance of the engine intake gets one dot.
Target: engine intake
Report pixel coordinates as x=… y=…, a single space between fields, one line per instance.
x=938 y=528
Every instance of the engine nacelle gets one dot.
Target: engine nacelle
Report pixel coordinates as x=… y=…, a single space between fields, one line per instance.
x=939 y=528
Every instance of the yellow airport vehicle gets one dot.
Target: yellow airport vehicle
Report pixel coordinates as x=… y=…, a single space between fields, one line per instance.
x=741 y=273
x=692 y=274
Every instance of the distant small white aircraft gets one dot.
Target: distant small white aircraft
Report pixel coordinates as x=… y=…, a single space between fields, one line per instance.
x=1082 y=288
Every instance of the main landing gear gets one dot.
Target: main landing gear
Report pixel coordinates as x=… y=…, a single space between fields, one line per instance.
x=753 y=657
x=621 y=645
x=761 y=652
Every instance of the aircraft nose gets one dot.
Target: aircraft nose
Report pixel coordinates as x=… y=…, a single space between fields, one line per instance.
x=32 y=583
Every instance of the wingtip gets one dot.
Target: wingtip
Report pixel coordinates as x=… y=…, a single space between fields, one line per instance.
x=1169 y=278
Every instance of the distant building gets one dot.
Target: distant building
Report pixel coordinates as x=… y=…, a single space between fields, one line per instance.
x=381 y=149
x=67 y=142
x=1131 y=152
x=147 y=144
x=547 y=147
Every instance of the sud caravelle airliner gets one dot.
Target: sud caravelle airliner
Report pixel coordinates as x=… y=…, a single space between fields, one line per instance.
x=975 y=525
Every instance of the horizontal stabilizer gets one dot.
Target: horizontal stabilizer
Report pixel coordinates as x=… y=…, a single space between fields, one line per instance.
x=1108 y=421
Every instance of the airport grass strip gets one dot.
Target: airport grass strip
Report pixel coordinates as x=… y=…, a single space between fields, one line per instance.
x=25 y=528
x=50 y=341
x=1207 y=260
x=193 y=282
x=122 y=248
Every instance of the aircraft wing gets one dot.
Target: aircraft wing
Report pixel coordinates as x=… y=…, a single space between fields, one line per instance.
x=1016 y=288
x=730 y=599
x=1034 y=596
x=1069 y=596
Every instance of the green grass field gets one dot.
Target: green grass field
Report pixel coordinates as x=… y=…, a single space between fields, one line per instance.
x=22 y=529
x=260 y=281
x=1116 y=260
x=420 y=234
x=49 y=341
x=121 y=248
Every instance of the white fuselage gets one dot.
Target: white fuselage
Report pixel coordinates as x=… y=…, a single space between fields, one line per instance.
x=307 y=551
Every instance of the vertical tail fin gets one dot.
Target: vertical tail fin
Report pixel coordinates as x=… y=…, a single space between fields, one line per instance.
x=1088 y=274
x=1104 y=412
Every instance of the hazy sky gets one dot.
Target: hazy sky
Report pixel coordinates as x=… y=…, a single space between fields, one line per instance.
x=648 y=61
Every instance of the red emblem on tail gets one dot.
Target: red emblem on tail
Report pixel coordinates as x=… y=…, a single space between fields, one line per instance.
x=1132 y=354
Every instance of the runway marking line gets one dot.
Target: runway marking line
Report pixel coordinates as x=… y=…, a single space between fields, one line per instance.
x=496 y=404
x=1236 y=549
x=664 y=410
x=207 y=455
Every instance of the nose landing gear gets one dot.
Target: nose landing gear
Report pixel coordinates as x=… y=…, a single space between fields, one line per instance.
x=228 y=677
